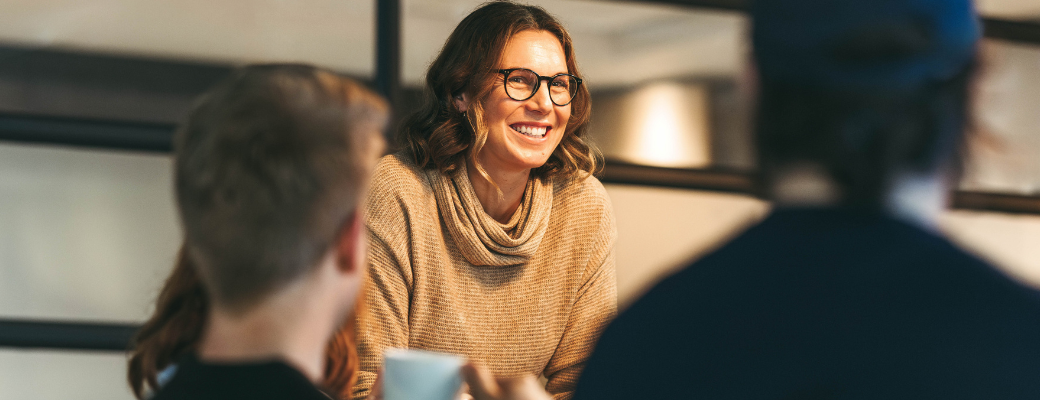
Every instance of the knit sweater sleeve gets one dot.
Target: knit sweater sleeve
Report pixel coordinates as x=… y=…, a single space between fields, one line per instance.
x=383 y=312
x=594 y=307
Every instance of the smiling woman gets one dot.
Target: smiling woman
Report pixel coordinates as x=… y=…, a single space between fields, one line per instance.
x=489 y=237
x=523 y=129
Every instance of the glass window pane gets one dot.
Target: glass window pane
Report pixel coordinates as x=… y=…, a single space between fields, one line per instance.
x=337 y=34
x=84 y=234
x=665 y=83
x=1004 y=152
x=52 y=375
x=147 y=60
x=1022 y=10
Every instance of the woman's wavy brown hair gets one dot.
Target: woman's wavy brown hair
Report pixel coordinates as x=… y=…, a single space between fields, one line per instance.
x=438 y=135
x=173 y=329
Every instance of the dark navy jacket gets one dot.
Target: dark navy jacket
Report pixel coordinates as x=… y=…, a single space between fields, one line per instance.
x=825 y=304
x=260 y=380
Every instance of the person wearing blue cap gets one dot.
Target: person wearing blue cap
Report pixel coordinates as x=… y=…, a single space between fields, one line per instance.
x=845 y=291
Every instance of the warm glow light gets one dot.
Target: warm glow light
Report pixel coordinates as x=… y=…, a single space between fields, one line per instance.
x=667 y=125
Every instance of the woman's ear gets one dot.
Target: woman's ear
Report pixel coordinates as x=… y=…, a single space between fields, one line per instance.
x=462 y=102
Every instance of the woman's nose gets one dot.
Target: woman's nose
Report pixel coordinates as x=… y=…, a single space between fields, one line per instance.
x=540 y=102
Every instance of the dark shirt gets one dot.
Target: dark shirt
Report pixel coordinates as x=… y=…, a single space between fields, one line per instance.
x=825 y=304
x=197 y=380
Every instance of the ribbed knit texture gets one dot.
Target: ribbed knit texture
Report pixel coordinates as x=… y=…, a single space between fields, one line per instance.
x=530 y=296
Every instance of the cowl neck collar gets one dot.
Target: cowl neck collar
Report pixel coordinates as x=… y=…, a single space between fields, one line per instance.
x=482 y=239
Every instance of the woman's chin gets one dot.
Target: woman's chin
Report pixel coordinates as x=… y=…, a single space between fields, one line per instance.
x=516 y=159
x=528 y=164
x=537 y=163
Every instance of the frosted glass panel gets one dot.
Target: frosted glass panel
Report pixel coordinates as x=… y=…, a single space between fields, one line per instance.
x=84 y=234
x=1006 y=155
x=337 y=34
x=48 y=375
x=1023 y=10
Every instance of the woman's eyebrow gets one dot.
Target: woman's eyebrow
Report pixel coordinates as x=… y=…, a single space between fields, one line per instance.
x=539 y=73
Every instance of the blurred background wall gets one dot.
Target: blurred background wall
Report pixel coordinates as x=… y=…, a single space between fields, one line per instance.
x=88 y=233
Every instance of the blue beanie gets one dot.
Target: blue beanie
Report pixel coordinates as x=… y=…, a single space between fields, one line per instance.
x=863 y=44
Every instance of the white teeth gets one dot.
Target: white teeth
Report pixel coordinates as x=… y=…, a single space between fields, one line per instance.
x=533 y=131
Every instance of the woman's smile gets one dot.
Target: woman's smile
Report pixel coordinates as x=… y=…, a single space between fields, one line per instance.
x=534 y=131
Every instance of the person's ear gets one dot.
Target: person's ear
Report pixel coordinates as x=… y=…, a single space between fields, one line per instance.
x=462 y=102
x=350 y=246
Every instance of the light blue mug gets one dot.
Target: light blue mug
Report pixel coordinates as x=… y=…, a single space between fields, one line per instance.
x=421 y=375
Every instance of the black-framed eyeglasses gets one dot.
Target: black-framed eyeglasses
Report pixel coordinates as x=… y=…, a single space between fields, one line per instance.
x=521 y=84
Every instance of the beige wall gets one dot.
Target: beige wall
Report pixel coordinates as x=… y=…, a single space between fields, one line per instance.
x=662 y=229
x=1011 y=242
x=659 y=230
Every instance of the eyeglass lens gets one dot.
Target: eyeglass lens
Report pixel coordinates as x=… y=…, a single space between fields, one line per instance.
x=521 y=85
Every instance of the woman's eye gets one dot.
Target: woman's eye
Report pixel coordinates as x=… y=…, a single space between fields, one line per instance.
x=519 y=80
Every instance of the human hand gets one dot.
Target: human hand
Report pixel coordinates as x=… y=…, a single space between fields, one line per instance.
x=483 y=386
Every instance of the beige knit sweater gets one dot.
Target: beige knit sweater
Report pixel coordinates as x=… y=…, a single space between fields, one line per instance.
x=527 y=297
